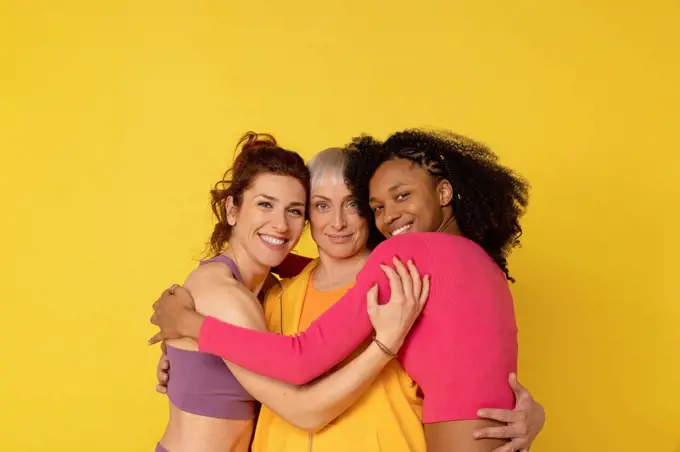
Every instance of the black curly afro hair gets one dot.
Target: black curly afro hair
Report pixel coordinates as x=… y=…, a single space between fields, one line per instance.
x=488 y=200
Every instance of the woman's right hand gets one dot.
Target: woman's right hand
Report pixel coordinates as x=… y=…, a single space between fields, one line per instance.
x=393 y=320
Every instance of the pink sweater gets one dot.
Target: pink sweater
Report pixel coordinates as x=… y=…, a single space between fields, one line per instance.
x=460 y=351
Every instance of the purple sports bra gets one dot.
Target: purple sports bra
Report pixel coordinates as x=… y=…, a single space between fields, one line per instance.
x=202 y=384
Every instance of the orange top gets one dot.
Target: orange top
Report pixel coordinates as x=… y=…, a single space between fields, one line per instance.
x=317 y=302
x=386 y=417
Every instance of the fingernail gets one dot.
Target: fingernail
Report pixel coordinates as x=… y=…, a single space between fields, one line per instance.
x=410 y=262
x=476 y=435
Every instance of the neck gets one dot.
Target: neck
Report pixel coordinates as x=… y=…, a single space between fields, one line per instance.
x=449 y=224
x=333 y=273
x=253 y=273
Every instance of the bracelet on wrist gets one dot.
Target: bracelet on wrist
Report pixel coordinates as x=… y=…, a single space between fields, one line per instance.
x=385 y=349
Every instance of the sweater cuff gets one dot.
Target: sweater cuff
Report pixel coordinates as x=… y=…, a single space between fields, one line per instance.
x=208 y=336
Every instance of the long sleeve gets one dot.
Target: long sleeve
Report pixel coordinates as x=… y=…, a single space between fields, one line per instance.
x=331 y=338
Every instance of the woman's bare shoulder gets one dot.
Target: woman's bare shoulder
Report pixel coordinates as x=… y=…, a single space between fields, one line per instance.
x=208 y=275
x=218 y=294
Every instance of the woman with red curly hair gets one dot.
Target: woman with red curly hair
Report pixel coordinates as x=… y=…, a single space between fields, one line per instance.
x=260 y=207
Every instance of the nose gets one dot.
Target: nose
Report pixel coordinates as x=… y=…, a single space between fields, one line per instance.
x=390 y=214
x=339 y=221
x=280 y=222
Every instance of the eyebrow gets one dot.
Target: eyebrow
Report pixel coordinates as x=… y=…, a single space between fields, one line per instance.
x=394 y=187
x=322 y=197
x=271 y=198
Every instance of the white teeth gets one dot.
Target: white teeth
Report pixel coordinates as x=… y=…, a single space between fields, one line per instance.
x=272 y=240
x=402 y=229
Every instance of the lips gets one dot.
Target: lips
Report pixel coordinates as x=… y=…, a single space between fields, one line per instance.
x=401 y=229
x=273 y=240
x=339 y=238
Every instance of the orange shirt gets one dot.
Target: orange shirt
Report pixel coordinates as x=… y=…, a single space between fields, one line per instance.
x=317 y=302
x=387 y=417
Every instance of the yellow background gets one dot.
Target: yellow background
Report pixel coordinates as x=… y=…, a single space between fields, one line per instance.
x=117 y=116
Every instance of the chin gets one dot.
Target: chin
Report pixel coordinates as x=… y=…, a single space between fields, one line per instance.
x=271 y=258
x=274 y=261
x=341 y=253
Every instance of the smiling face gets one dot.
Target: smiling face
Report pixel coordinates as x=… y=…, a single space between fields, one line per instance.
x=406 y=198
x=336 y=226
x=270 y=219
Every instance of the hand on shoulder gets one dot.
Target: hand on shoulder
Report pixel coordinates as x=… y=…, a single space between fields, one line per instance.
x=218 y=294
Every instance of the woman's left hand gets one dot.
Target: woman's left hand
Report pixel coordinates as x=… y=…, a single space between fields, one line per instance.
x=524 y=423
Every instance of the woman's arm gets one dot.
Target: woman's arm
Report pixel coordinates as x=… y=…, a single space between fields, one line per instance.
x=330 y=338
x=309 y=407
x=299 y=359
x=521 y=425
x=457 y=436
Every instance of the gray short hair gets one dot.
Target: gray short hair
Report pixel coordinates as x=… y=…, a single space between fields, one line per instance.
x=328 y=164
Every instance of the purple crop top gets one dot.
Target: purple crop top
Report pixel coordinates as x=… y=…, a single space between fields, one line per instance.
x=202 y=384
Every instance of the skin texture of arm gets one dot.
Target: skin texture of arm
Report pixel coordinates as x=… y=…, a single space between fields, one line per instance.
x=309 y=407
x=457 y=436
